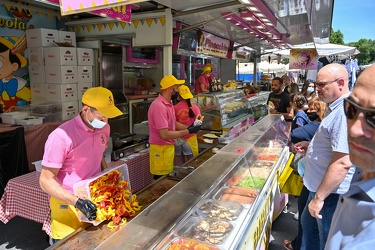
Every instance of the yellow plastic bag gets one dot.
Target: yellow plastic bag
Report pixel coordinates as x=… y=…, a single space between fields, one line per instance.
x=290 y=181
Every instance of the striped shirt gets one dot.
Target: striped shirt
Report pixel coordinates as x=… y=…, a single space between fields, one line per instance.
x=331 y=136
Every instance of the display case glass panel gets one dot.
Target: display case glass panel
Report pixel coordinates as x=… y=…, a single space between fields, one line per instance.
x=221 y=109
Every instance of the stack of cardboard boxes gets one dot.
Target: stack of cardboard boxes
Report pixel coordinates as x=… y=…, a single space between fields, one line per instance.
x=59 y=73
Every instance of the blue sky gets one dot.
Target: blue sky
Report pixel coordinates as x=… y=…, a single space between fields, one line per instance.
x=355 y=19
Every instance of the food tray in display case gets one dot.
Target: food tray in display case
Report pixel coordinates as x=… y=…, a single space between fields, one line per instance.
x=215 y=232
x=215 y=209
x=179 y=243
x=258 y=105
x=222 y=108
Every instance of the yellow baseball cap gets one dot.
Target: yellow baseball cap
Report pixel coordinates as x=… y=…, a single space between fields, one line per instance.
x=184 y=92
x=206 y=69
x=169 y=81
x=102 y=100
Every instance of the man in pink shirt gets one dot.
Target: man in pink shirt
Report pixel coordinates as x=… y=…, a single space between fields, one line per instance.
x=164 y=128
x=74 y=152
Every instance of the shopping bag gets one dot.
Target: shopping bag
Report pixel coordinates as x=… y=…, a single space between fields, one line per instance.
x=290 y=182
x=296 y=159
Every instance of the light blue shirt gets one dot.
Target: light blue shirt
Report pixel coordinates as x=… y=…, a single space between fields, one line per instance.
x=331 y=136
x=353 y=223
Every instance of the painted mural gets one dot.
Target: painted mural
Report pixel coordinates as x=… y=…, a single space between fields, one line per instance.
x=14 y=73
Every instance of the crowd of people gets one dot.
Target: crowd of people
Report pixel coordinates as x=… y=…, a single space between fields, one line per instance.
x=334 y=130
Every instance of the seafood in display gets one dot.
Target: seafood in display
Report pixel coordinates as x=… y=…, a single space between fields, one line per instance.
x=210 y=231
x=189 y=244
x=213 y=209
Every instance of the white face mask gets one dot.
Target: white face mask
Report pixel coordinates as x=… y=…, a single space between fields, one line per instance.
x=310 y=90
x=96 y=123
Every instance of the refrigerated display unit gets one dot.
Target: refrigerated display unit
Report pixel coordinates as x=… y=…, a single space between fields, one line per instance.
x=252 y=162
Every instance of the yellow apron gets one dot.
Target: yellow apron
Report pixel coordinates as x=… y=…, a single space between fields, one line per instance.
x=193 y=143
x=161 y=159
x=64 y=219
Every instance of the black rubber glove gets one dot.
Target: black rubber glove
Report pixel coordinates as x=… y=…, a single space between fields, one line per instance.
x=87 y=208
x=194 y=129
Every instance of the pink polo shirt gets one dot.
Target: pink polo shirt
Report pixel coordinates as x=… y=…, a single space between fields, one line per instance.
x=160 y=115
x=76 y=150
x=182 y=115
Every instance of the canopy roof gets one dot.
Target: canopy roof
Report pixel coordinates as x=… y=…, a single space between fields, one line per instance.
x=322 y=49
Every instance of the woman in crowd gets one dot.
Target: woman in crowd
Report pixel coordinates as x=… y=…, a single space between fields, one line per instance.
x=186 y=113
x=308 y=90
x=300 y=118
x=315 y=113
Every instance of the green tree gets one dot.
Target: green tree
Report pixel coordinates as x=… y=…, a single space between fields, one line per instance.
x=367 y=49
x=336 y=37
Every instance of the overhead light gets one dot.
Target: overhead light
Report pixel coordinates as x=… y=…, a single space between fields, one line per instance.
x=228 y=18
x=259 y=14
x=246 y=1
x=248 y=18
x=253 y=8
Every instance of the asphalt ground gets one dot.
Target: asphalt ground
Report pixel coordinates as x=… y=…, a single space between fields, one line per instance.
x=20 y=233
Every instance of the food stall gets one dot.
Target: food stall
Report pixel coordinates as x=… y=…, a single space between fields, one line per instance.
x=253 y=161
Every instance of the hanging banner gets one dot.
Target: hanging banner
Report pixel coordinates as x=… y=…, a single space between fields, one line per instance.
x=122 y=13
x=212 y=45
x=68 y=7
x=303 y=59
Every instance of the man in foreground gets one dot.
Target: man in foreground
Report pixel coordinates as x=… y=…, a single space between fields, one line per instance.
x=74 y=152
x=353 y=223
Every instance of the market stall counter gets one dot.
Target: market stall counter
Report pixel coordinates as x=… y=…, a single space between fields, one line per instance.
x=253 y=160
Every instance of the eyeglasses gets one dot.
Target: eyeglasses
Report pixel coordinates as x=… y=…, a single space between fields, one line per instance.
x=323 y=84
x=352 y=110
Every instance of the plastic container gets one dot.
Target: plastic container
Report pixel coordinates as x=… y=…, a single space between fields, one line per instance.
x=29 y=120
x=82 y=188
x=38 y=165
x=46 y=108
x=49 y=117
x=11 y=117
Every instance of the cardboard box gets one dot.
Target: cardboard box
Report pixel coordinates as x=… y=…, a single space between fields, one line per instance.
x=82 y=87
x=61 y=92
x=61 y=74
x=37 y=90
x=85 y=56
x=41 y=37
x=60 y=55
x=37 y=73
x=84 y=74
x=67 y=37
x=69 y=110
x=35 y=56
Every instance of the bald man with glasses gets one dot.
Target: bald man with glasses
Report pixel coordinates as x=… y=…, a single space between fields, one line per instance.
x=353 y=223
x=328 y=169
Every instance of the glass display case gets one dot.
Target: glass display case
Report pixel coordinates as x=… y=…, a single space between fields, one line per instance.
x=258 y=105
x=226 y=203
x=223 y=109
